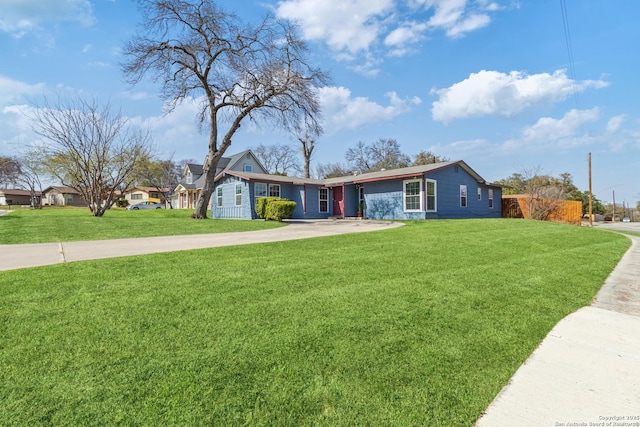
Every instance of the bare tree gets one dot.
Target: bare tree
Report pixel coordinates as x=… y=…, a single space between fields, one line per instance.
x=544 y=194
x=333 y=170
x=277 y=159
x=32 y=171
x=382 y=154
x=237 y=70
x=90 y=148
x=308 y=145
x=9 y=171
x=163 y=175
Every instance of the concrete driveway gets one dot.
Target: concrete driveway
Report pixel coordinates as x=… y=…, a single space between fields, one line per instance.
x=39 y=254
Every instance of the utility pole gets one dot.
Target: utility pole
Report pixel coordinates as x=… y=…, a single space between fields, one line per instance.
x=590 y=195
x=613 y=215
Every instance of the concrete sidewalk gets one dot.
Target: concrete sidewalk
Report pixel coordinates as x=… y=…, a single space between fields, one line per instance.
x=39 y=254
x=586 y=372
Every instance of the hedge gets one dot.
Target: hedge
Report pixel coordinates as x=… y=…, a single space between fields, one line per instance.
x=274 y=208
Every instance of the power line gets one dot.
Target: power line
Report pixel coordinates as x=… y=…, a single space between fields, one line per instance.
x=572 y=68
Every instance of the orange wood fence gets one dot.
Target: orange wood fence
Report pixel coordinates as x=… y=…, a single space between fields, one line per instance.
x=565 y=211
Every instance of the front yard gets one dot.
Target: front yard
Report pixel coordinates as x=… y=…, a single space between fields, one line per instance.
x=418 y=325
x=67 y=224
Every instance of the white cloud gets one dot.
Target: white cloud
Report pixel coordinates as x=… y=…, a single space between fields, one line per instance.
x=548 y=129
x=342 y=111
x=557 y=134
x=407 y=33
x=458 y=17
x=19 y=17
x=492 y=92
x=12 y=91
x=351 y=25
x=353 y=28
x=176 y=132
x=614 y=123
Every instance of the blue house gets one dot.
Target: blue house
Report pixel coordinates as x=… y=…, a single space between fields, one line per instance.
x=435 y=191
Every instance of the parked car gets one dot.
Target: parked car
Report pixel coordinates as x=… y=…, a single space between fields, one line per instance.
x=626 y=219
x=145 y=205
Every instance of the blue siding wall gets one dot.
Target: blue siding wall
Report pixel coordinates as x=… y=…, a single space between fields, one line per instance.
x=448 y=196
x=229 y=208
x=295 y=193
x=383 y=199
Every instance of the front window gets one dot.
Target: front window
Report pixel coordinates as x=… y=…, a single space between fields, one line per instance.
x=431 y=196
x=238 y=194
x=189 y=178
x=219 y=197
x=479 y=193
x=136 y=196
x=248 y=168
x=463 y=196
x=324 y=200
x=412 y=195
x=274 y=190
x=261 y=189
x=491 y=198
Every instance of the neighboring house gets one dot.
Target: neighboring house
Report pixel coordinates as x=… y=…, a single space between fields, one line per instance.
x=139 y=194
x=186 y=194
x=62 y=196
x=17 y=197
x=440 y=190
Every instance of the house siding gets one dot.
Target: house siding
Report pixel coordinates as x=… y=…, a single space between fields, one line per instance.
x=448 y=196
x=382 y=193
x=384 y=199
x=229 y=208
x=307 y=202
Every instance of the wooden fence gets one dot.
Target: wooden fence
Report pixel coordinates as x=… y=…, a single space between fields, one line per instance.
x=519 y=205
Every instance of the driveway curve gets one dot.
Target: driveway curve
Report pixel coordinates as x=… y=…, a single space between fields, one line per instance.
x=40 y=254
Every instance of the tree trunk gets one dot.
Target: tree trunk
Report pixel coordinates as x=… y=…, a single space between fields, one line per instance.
x=210 y=166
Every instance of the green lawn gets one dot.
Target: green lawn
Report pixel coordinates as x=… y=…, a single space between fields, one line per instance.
x=69 y=224
x=419 y=325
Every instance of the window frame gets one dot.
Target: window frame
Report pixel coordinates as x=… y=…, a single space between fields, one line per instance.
x=320 y=199
x=463 y=196
x=258 y=185
x=419 y=195
x=247 y=168
x=269 y=192
x=491 y=198
x=238 y=199
x=428 y=196
x=219 y=193
x=479 y=193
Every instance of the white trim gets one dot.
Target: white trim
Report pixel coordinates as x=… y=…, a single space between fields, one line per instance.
x=404 y=195
x=491 y=198
x=219 y=197
x=464 y=194
x=255 y=189
x=269 y=190
x=320 y=200
x=238 y=194
x=435 y=195
x=479 y=193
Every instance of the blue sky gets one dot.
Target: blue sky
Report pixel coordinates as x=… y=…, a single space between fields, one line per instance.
x=486 y=81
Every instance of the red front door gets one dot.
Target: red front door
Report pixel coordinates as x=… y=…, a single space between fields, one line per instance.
x=338 y=201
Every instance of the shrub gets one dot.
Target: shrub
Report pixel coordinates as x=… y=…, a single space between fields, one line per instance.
x=261 y=205
x=122 y=203
x=274 y=208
